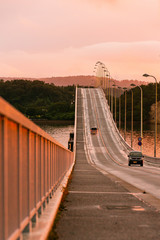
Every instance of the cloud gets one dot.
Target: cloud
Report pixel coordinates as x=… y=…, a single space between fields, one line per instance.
x=8 y=70
x=123 y=60
x=66 y=37
x=48 y=25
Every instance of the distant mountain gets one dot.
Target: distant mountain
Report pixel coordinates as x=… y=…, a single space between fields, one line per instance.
x=127 y=83
x=87 y=81
x=79 y=80
x=71 y=80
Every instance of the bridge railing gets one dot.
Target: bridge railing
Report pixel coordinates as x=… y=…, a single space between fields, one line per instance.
x=32 y=165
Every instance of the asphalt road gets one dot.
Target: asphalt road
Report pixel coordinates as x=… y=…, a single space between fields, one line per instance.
x=106 y=149
x=101 y=204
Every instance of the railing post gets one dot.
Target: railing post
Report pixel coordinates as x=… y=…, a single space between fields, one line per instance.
x=5 y=175
x=1 y=179
x=42 y=168
x=36 y=170
x=29 y=176
x=51 y=185
x=19 y=150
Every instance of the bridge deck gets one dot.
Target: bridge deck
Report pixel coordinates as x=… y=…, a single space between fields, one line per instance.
x=101 y=206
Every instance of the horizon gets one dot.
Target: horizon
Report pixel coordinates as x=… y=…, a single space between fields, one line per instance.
x=82 y=80
x=68 y=76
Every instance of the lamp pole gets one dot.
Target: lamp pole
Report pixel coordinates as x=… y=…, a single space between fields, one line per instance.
x=109 y=90
x=155 y=132
x=108 y=85
x=125 y=113
x=119 y=108
x=112 y=100
x=105 y=78
x=103 y=75
x=115 y=105
x=133 y=85
x=132 y=115
x=95 y=71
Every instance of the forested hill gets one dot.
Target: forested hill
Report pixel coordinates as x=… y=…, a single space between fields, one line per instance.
x=39 y=100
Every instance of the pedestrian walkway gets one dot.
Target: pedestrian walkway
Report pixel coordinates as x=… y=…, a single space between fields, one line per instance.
x=100 y=207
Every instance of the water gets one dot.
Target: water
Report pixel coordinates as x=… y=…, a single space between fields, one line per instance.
x=148 y=139
x=61 y=134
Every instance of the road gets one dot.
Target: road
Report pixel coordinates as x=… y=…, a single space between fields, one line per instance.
x=107 y=152
x=100 y=205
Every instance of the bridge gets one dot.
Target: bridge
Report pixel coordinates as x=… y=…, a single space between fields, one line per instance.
x=34 y=169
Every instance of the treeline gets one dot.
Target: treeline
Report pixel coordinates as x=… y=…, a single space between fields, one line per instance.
x=39 y=100
x=148 y=100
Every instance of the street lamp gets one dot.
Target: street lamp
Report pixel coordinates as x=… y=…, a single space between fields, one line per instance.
x=108 y=84
x=125 y=114
x=115 y=107
x=132 y=119
x=155 y=132
x=111 y=98
x=109 y=91
x=103 y=76
x=98 y=70
x=95 y=72
x=109 y=94
x=119 y=108
x=105 y=79
x=133 y=85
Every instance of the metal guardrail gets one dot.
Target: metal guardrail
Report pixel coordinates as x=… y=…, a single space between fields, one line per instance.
x=148 y=159
x=32 y=165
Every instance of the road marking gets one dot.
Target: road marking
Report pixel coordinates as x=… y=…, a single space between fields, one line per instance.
x=90 y=192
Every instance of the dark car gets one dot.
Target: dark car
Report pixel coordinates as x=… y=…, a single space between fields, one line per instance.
x=135 y=157
x=94 y=130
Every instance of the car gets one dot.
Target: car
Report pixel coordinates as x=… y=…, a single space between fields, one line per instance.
x=135 y=157
x=94 y=130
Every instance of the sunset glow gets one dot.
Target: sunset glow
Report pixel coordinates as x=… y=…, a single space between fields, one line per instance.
x=48 y=38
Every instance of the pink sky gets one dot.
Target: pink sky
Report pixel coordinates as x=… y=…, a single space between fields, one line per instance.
x=45 y=38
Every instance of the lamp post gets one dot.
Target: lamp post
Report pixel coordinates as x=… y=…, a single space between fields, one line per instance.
x=125 y=112
x=95 y=72
x=108 y=85
x=112 y=100
x=119 y=108
x=115 y=107
x=109 y=90
x=99 y=74
x=104 y=78
x=133 y=85
x=155 y=132
x=132 y=121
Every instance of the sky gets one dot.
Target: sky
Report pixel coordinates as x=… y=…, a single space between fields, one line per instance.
x=48 y=38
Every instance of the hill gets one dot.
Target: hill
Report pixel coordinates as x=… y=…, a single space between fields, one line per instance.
x=78 y=80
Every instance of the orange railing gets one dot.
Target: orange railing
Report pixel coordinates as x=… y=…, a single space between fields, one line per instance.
x=32 y=165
